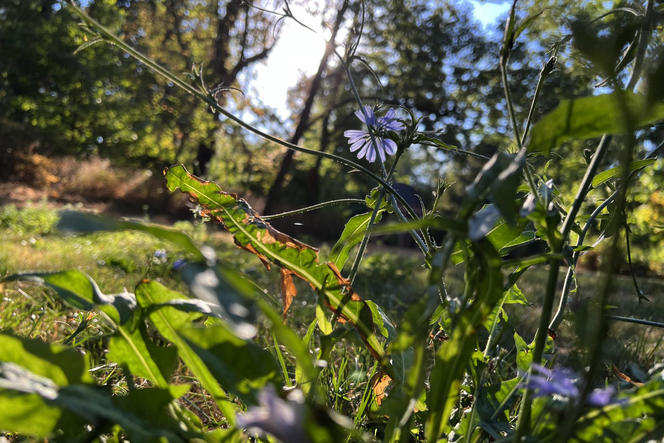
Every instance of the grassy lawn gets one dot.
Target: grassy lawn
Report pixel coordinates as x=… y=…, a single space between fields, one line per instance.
x=394 y=279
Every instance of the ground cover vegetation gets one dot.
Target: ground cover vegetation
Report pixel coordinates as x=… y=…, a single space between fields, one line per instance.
x=492 y=170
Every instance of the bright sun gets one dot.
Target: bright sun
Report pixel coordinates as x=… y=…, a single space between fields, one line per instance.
x=298 y=50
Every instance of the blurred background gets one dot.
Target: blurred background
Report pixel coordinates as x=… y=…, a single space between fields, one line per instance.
x=97 y=128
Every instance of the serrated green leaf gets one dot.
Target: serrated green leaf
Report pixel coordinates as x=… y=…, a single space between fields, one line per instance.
x=587 y=117
x=273 y=247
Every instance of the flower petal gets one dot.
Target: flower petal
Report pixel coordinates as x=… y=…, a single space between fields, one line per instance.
x=371 y=155
x=390 y=146
x=369 y=119
x=358 y=144
x=381 y=149
x=365 y=147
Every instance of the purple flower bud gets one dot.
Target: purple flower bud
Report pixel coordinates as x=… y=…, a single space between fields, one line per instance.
x=180 y=262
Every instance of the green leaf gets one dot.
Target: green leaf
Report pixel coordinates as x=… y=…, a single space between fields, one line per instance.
x=95 y=405
x=54 y=366
x=31 y=415
x=371 y=199
x=225 y=297
x=273 y=247
x=241 y=367
x=587 y=117
x=130 y=346
x=58 y=387
x=515 y=296
x=170 y=322
x=61 y=364
x=323 y=323
x=351 y=235
x=609 y=174
x=524 y=353
x=80 y=291
x=504 y=236
x=88 y=223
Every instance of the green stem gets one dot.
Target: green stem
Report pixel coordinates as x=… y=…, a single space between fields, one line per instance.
x=504 y=57
x=367 y=233
x=312 y=208
x=546 y=69
x=636 y=320
x=586 y=182
x=523 y=424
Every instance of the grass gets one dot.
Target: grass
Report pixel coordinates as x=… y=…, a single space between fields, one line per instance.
x=393 y=279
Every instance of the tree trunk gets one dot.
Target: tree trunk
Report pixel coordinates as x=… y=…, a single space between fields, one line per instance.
x=303 y=122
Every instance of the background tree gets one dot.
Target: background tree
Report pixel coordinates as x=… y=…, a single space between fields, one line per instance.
x=94 y=103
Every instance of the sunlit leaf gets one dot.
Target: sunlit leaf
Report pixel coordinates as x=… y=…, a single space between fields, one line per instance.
x=587 y=117
x=80 y=291
x=351 y=235
x=273 y=247
x=170 y=321
x=609 y=174
x=131 y=347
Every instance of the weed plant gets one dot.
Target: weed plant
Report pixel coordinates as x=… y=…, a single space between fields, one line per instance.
x=202 y=348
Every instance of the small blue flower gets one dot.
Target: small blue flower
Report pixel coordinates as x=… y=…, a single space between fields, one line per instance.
x=360 y=139
x=553 y=381
x=180 y=262
x=562 y=381
x=160 y=256
x=601 y=397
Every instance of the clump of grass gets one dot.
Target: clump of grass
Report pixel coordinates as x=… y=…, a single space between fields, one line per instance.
x=29 y=221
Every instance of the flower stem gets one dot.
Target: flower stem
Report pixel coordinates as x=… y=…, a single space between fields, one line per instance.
x=312 y=208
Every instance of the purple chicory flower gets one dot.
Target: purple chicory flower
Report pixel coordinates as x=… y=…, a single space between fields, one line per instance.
x=562 y=381
x=360 y=139
x=553 y=381
x=601 y=397
x=283 y=419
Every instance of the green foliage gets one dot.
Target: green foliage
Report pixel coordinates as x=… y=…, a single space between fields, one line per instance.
x=32 y=220
x=451 y=364
x=589 y=117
